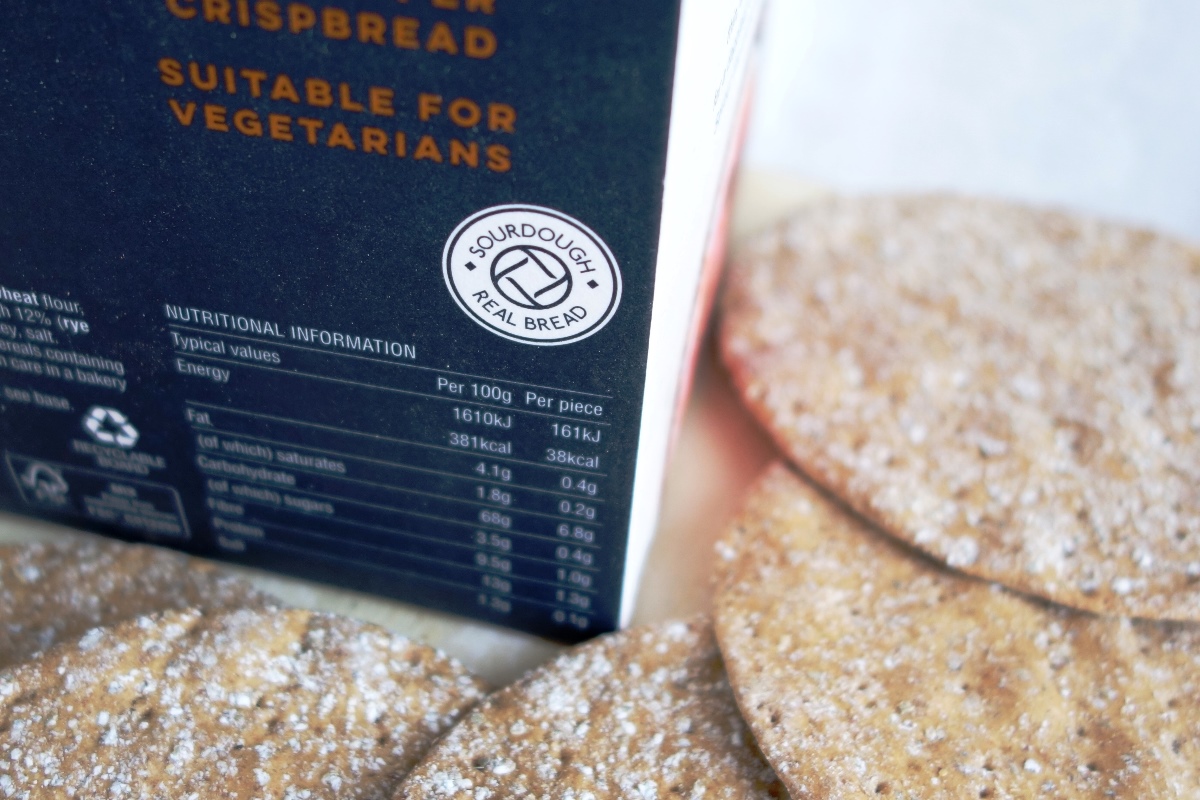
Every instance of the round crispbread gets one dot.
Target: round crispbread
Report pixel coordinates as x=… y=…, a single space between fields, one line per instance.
x=255 y=703
x=55 y=591
x=866 y=670
x=643 y=713
x=1015 y=392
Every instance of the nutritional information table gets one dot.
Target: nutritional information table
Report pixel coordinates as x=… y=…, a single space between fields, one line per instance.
x=485 y=495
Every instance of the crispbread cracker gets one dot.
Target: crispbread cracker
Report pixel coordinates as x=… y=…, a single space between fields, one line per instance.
x=256 y=703
x=55 y=591
x=641 y=714
x=1014 y=391
x=866 y=670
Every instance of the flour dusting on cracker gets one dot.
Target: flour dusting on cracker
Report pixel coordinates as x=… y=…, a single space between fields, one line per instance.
x=247 y=704
x=643 y=714
x=1014 y=391
x=55 y=591
x=865 y=670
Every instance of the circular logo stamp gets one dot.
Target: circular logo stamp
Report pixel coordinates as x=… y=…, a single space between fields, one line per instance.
x=532 y=274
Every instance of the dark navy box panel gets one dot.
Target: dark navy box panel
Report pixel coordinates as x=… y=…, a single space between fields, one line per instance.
x=225 y=321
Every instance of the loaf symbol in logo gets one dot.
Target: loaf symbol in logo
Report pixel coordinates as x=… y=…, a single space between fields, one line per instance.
x=532 y=274
x=531 y=277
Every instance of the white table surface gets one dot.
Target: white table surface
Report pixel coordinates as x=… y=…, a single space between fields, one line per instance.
x=1088 y=104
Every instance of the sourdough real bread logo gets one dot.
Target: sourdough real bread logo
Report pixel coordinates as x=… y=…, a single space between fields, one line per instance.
x=532 y=274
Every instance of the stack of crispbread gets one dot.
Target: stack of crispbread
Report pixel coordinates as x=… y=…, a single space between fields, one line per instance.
x=57 y=591
x=865 y=669
x=1007 y=403
x=139 y=673
x=641 y=714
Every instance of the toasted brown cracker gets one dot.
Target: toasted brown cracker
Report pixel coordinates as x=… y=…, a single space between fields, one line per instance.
x=642 y=714
x=1015 y=392
x=55 y=591
x=246 y=704
x=865 y=670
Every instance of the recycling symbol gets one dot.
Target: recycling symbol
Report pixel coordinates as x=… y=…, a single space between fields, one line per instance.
x=109 y=426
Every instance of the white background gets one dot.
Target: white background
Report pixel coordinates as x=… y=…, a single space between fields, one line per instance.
x=1088 y=104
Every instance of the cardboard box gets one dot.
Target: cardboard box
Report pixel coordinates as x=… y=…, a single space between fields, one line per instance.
x=393 y=294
